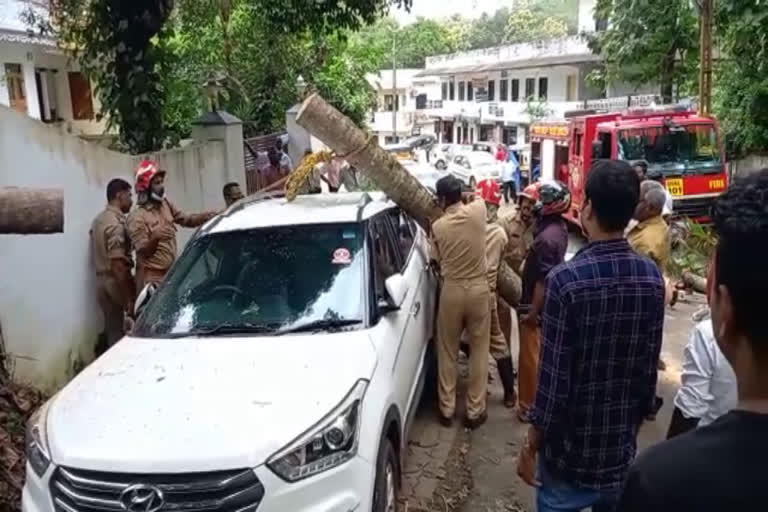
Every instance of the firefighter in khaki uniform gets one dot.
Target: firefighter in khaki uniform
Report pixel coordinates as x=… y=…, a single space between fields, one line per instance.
x=111 y=250
x=458 y=248
x=152 y=225
x=495 y=246
x=519 y=229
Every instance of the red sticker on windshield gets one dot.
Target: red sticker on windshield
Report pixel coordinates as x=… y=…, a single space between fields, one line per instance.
x=341 y=256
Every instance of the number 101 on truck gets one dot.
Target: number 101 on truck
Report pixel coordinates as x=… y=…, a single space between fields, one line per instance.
x=684 y=148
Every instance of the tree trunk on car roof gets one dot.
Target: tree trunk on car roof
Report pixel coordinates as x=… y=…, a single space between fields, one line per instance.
x=342 y=135
x=27 y=211
x=350 y=142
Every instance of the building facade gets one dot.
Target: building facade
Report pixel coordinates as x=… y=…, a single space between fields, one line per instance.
x=38 y=79
x=494 y=94
x=404 y=103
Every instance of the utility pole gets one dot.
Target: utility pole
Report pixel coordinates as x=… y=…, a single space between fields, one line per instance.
x=395 y=97
x=706 y=9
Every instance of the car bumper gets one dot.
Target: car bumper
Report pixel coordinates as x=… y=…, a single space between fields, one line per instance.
x=344 y=488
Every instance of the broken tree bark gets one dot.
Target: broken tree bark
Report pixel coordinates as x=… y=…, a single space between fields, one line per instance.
x=350 y=142
x=26 y=211
x=696 y=282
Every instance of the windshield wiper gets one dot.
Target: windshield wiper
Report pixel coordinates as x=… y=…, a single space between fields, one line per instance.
x=321 y=325
x=226 y=328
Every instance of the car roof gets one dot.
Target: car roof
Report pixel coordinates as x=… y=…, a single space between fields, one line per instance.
x=324 y=208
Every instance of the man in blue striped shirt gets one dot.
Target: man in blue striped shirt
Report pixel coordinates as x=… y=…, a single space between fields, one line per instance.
x=601 y=336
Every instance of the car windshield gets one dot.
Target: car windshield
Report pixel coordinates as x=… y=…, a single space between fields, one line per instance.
x=266 y=280
x=681 y=148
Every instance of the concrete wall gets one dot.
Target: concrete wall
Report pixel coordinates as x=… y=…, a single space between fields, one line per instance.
x=745 y=166
x=32 y=56
x=48 y=312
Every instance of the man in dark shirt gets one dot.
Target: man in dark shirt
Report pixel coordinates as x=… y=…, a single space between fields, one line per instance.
x=601 y=336
x=548 y=250
x=721 y=466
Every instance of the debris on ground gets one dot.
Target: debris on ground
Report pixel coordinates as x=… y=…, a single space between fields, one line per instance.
x=17 y=403
x=692 y=248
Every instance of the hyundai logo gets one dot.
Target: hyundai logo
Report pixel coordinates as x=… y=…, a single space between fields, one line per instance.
x=142 y=498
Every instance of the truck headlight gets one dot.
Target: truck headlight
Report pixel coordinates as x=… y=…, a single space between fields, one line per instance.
x=37 y=451
x=330 y=442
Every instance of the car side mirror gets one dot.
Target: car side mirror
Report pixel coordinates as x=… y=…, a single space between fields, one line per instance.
x=597 y=149
x=397 y=289
x=142 y=299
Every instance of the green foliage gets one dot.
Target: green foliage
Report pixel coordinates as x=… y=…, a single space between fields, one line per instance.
x=741 y=84
x=149 y=66
x=692 y=248
x=647 y=42
x=526 y=24
x=537 y=108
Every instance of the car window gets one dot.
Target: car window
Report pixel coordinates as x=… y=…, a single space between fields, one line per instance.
x=386 y=261
x=277 y=277
x=406 y=233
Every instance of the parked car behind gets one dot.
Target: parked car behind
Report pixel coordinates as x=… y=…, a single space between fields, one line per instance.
x=277 y=368
x=474 y=167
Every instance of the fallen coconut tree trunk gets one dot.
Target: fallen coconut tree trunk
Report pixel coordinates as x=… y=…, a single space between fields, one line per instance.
x=694 y=281
x=343 y=136
x=28 y=211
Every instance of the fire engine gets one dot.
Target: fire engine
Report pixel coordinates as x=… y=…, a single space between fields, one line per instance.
x=684 y=147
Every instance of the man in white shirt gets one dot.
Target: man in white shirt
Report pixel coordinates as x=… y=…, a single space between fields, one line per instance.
x=708 y=384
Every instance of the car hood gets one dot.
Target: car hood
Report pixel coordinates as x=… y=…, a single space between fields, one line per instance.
x=202 y=404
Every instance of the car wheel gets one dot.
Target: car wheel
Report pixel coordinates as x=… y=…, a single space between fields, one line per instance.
x=440 y=164
x=387 y=485
x=472 y=183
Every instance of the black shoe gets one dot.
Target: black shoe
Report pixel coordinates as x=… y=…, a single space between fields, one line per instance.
x=507 y=375
x=444 y=420
x=475 y=423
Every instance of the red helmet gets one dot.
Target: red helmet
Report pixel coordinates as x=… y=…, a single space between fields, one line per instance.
x=531 y=192
x=489 y=191
x=144 y=173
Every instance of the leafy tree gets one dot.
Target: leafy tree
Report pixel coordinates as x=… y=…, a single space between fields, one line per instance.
x=488 y=30
x=655 y=41
x=139 y=62
x=741 y=84
x=525 y=25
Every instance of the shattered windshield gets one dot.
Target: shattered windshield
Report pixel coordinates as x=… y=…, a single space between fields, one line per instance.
x=267 y=280
x=680 y=148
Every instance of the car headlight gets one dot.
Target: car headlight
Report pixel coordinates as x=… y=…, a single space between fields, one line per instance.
x=329 y=443
x=37 y=451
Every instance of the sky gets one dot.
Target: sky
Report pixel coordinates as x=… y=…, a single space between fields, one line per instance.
x=445 y=8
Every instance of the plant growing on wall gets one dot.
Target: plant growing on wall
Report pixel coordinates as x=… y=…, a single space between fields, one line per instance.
x=536 y=108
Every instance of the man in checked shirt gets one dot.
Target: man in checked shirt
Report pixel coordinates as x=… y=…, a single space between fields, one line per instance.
x=602 y=325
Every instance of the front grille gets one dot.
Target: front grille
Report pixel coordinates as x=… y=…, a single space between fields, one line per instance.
x=694 y=208
x=75 y=490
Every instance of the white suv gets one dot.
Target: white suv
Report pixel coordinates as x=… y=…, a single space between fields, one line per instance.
x=276 y=369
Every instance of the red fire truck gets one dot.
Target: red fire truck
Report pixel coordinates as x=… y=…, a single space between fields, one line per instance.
x=686 y=148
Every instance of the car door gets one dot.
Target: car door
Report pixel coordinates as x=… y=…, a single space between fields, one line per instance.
x=459 y=169
x=416 y=271
x=394 y=330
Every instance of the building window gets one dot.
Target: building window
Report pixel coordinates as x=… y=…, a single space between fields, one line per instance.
x=452 y=90
x=515 y=89
x=571 y=88
x=486 y=133
x=14 y=79
x=470 y=92
x=47 y=95
x=403 y=103
x=530 y=87
x=445 y=91
x=543 y=86
x=80 y=94
x=504 y=90
x=461 y=91
x=491 y=90
x=390 y=139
